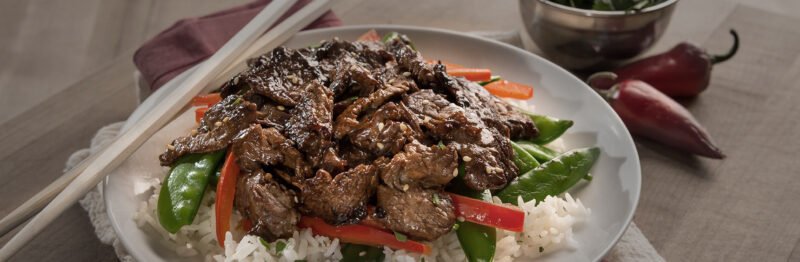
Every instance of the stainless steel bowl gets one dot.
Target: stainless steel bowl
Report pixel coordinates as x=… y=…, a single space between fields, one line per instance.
x=583 y=39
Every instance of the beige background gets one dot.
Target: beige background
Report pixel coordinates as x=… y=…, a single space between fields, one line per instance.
x=65 y=71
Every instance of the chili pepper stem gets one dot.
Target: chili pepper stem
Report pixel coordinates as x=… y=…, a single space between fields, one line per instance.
x=608 y=94
x=722 y=58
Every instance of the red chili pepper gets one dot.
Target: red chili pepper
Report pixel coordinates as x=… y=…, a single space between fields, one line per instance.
x=649 y=113
x=685 y=70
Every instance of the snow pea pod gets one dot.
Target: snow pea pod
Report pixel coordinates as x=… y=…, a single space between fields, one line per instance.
x=550 y=128
x=361 y=253
x=524 y=161
x=540 y=152
x=183 y=189
x=552 y=177
x=477 y=241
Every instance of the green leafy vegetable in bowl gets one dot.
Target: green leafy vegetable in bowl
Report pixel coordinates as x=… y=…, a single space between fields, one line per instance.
x=609 y=5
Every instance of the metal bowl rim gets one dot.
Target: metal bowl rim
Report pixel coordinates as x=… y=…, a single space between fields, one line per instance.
x=595 y=13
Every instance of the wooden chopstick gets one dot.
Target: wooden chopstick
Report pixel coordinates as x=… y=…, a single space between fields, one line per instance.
x=297 y=21
x=129 y=141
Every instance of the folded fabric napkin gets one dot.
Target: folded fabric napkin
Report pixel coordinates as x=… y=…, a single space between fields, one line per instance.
x=192 y=40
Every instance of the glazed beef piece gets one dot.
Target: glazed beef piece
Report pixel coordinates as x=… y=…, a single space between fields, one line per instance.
x=491 y=155
x=257 y=147
x=279 y=76
x=349 y=118
x=386 y=131
x=217 y=129
x=341 y=199
x=495 y=112
x=423 y=214
x=310 y=123
x=273 y=116
x=269 y=205
x=420 y=166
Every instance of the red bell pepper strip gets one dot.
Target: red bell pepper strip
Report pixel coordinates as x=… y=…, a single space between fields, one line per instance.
x=226 y=187
x=505 y=88
x=369 y=36
x=471 y=74
x=359 y=234
x=489 y=214
x=199 y=113
x=206 y=100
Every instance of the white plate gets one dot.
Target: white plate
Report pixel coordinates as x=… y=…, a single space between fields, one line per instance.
x=612 y=195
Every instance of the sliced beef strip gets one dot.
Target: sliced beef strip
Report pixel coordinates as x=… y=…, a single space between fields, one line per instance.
x=493 y=167
x=420 y=166
x=279 y=76
x=342 y=199
x=349 y=118
x=386 y=131
x=273 y=116
x=310 y=122
x=493 y=111
x=269 y=205
x=221 y=123
x=257 y=147
x=423 y=214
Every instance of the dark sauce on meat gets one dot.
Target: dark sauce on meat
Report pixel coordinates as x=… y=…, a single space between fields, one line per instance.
x=335 y=130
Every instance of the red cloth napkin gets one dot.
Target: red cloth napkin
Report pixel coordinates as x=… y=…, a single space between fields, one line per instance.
x=192 y=40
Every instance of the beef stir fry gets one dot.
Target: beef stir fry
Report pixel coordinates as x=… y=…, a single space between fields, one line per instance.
x=350 y=130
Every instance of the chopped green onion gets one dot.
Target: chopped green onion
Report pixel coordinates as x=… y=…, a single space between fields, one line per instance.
x=280 y=246
x=263 y=242
x=400 y=237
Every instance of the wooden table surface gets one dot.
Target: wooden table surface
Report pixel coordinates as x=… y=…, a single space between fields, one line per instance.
x=66 y=71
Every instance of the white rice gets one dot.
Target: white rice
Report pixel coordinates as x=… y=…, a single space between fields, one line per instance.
x=548 y=227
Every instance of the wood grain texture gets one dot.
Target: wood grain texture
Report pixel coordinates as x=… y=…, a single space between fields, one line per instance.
x=66 y=71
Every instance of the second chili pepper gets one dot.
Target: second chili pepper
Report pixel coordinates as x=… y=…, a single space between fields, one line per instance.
x=685 y=70
x=649 y=113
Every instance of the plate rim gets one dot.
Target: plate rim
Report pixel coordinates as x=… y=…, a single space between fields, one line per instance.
x=141 y=111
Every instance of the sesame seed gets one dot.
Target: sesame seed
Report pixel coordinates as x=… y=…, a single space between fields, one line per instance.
x=460 y=219
x=226 y=119
x=380 y=126
x=380 y=145
x=405 y=187
x=489 y=169
x=170 y=147
x=281 y=108
x=218 y=123
x=466 y=158
x=455 y=172
x=426 y=119
x=194 y=131
x=404 y=127
x=362 y=253
x=406 y=74
x=295 y=199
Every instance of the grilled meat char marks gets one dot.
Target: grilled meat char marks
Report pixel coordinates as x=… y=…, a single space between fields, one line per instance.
x=333 y=130
x=268 y=204
x=340 y=200
x=221 y=124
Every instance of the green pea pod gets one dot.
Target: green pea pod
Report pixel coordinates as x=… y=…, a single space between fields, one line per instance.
x=361 y=253
x=551 y=178
x=214 y=179
x=183 y=188
x=524 y=161
x=477 y=241
x=550 y=128
x=540 y=152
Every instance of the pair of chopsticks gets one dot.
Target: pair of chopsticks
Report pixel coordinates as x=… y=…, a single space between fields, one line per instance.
x=226 y=62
